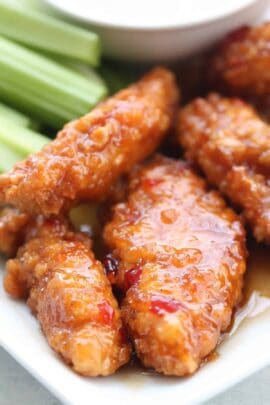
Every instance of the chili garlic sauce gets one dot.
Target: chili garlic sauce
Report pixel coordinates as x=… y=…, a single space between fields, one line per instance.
x=256 y=295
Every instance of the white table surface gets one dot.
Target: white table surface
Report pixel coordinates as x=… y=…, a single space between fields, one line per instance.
x=17 y=387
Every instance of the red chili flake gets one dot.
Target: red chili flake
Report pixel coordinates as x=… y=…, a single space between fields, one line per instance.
x=132 y=277
x=236 y=35
x=161 y=305
x=111 y=265
x=240 y=33
x=151 y=182
x=106 y=312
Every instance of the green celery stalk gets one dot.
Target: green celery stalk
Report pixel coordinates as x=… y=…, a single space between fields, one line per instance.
x=22 y=141
x=14 y=116
x=48 y=113
x=85 y=71
x=43 y=88
x=44 y=65
x=29 y=63
x=47 y=33
x=8 y=158
x=37 y=5
x=50 y=90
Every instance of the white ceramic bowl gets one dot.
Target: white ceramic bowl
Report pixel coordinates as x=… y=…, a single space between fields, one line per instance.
x=156 y=30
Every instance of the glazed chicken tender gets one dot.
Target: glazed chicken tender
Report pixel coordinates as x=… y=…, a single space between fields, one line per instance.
x=90 y=153
x=231 y=144
x=181 y=259
x=12 y=226
x=68 y=290
x=242 y=61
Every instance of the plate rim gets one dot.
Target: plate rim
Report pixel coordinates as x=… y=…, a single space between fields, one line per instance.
x=219 y=388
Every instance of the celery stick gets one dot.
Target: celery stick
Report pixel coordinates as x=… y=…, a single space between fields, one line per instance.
x=37 y=5
x=45 y=65
x=8 y=158
x=88 y=72
x=43 y=88
x=50 y=90
x=14 y=116
x=48 y=33
x=21 y=140
x=13 y=65
x=48 y=113
x=85 y=71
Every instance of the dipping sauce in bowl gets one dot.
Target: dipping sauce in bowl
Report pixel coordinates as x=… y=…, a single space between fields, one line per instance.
x=154 y=31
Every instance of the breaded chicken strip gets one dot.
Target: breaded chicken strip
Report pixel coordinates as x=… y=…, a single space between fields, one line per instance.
x=89 y=154
x=181 y=258
x=242 y=61
x=12 y=226
x=231 y=144
x=68 y=290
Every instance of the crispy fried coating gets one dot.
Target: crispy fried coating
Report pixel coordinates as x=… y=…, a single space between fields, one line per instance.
x=12 y=226
x=89 y=154
x=231 y=144
x=181 y=259
x=68 y=290
x=242 y=61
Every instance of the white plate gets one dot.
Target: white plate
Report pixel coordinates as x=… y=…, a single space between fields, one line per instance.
x=242 y=354
x=157 y=31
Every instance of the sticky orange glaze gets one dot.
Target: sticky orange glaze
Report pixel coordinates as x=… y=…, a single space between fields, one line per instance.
x=89 y=154
x=231 y=144
x=181 y=259
x=67 y=289
x=12 y=226
x=242 y=61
